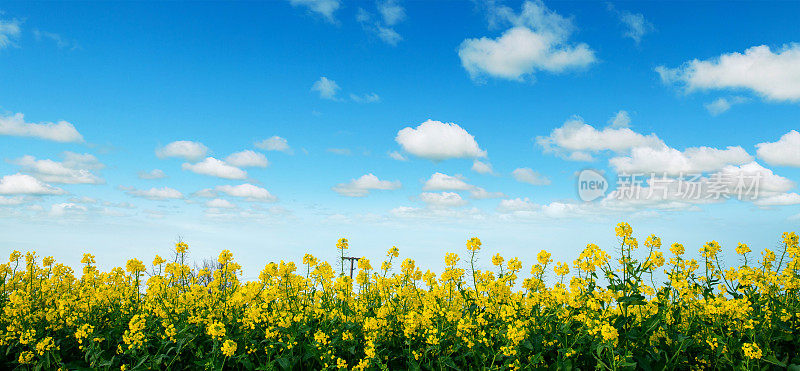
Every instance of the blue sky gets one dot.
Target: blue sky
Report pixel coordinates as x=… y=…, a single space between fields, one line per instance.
x=406 y=97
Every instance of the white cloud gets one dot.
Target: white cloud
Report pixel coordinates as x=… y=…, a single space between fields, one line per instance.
x=388 y=35
x=23 y=184
x=444 y=182
x=219 y=203
x=445 y=214
x=561 y=210
x=527 y=175
x=538 y=40
x=436 y=140
x=784 y=152
x=769 y=183
x=247 y=158
x=673 y=162
x=635 y=24
x=325 y=8
x=391 y=13
x=360 y=187
x=326 y=88
x=442 y=199
x=216 y=168
x=620 y=120
x=246 y=191
x=481 y=167
x=779 y=200
x=9 y=30
x=718 y=106
x=274 y=143
x=479 y=193
x=517 y=205
x=163 y=193
x=366 y=98
x=83 y=200
x=188 y=150
x=11 y=201
x=81 y=160
x=76 y=169
x=524 y=208
x=397 y=156
x=15 y=125
x=152 y=174
x=773 y=75
x=576 y=140
x=121 y=205
x=63 y=209
x=721 y=105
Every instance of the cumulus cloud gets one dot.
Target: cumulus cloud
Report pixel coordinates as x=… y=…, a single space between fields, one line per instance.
x=247 y=158
x=442 y=199
x=537 y=41
x=576 y=140
x=75 y=169
x=152 y=174
x=163 y=193
x=274 y=143
x=524 y=208
x=66 y=208
x=444 y=182
x=247 y=191
x=188 y=150
x=360 y=187
x=437 y=140
x=15 y=125
x=527 y=175
x=326 y=88
x=481 y=167
x=219 y=203
x=216 y=168
x=779 y=200
x=9 y=31
x=673 y=162
x=784 y=152
x=23 y=184
x=324 y=8
x=773 y=75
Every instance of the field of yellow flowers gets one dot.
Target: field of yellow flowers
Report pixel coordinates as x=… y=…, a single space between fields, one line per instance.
x=602 y=311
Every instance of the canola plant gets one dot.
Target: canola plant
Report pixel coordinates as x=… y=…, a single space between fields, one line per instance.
x=604 y=311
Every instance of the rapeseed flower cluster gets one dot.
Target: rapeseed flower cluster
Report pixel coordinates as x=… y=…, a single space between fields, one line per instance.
x=602 y=311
